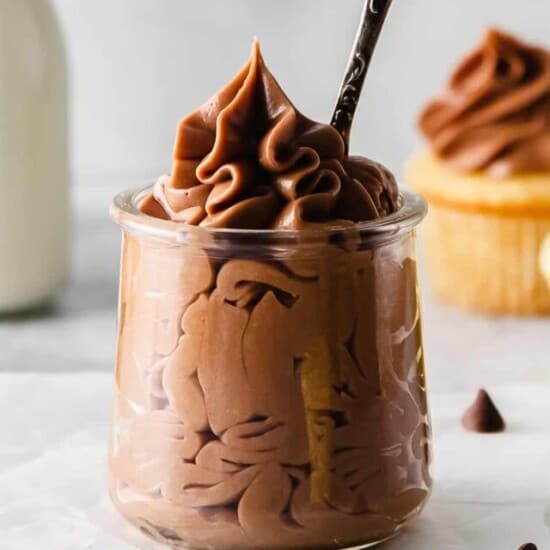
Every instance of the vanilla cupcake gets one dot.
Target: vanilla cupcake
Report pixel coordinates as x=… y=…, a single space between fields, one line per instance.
x=487 y=179
x=545 y=260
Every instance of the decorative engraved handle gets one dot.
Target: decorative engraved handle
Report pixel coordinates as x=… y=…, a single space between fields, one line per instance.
x=374 y=15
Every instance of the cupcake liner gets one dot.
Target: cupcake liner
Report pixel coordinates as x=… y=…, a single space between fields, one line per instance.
x=487 y=263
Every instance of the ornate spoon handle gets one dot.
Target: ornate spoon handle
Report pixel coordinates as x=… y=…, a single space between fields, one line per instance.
x=372 y=20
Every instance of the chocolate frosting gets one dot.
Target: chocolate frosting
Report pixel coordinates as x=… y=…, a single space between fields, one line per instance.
x=494 y=114
x=269 y=397
x=248 y=159
x=269 y=404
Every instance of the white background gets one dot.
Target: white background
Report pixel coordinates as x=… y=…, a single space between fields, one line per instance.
x=138 y=66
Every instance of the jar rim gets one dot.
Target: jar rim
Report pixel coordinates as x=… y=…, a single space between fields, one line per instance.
x=125 y=212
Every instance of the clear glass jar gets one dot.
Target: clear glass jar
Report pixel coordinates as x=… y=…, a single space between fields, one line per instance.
x=270 y=388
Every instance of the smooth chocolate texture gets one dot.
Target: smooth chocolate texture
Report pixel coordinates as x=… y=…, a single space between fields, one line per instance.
x=483 y=416
x=494 y=114
x=269 y=403
x=248 y=159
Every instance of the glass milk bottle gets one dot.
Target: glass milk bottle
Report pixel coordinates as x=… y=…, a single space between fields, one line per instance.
x=34 y=203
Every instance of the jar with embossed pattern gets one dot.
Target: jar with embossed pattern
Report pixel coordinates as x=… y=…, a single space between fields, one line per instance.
x=270 y=387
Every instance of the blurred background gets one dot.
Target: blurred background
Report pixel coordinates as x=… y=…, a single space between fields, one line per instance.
x=137 y=66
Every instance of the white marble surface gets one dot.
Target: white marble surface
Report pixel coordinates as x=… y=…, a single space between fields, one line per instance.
x=55 y=385
x=491 y=491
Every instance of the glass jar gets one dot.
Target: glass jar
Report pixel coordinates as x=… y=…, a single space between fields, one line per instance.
x=270 y=388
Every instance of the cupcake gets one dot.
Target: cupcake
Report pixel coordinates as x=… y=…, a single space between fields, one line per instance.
x=487 y=179
x=545 y=260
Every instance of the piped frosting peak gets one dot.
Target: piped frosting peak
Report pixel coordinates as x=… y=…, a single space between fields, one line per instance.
x=249 y=159
x=494 y=114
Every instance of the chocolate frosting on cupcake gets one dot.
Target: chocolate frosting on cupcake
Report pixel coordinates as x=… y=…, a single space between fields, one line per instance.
x=248 y=159
x=494 y=114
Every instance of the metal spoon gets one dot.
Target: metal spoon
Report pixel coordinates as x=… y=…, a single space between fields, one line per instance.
x=372 y=20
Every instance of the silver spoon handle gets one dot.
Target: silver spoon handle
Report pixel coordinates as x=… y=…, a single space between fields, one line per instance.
x=374 y=15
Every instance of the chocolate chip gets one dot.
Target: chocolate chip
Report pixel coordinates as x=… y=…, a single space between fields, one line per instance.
x=528 y=546
x=483 y=416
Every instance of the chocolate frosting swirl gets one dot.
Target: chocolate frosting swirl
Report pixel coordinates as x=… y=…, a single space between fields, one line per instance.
x=494 y=114
x=248 y=159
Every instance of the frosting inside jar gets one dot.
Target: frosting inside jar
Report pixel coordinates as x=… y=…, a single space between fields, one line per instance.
x=494 y=114
x=248 y=159
x=269 y=404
